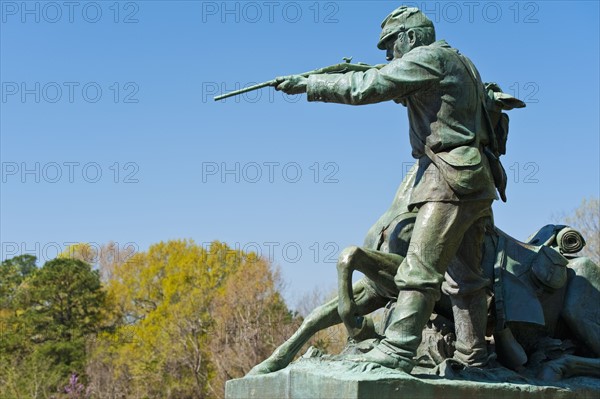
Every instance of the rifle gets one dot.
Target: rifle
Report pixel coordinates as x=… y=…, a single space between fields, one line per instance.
x=343 y=67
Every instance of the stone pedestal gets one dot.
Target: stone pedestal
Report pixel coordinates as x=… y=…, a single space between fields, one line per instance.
x=318 y=378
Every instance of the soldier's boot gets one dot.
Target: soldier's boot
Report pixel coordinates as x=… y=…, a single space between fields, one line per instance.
x=403 y=332
x=470 y=321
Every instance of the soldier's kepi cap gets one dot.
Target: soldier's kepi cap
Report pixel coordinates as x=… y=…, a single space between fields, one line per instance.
x=402 y=19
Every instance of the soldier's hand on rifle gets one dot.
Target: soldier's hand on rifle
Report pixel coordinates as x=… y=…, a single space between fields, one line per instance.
x=294 y=84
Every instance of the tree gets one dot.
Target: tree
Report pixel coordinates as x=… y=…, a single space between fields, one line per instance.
x=12 y=346
x=55 y=310
x=250 y=321
x=12 y=273
x=103 y=258
x=586 y=219
x=110 y=256
x=63 y=302
x=176 y=304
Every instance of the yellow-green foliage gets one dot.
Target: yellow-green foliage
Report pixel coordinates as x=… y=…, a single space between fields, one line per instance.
x=180 y=308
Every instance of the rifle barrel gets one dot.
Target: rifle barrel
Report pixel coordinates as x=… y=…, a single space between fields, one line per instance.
x=245 y=90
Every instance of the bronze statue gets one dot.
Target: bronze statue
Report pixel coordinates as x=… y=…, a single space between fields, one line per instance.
x=451 y=136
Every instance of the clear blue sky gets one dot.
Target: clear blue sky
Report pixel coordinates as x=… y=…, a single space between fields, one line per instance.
x=125 y=90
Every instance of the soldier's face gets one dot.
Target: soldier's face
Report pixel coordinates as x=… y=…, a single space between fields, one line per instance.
x=397 y=46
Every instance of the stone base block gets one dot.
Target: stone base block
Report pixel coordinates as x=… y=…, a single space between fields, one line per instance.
x=317 y=378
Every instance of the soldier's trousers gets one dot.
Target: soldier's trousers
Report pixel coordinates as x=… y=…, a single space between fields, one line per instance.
x=442 y=231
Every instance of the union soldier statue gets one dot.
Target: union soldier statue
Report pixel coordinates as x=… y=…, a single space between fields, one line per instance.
x=450 y=134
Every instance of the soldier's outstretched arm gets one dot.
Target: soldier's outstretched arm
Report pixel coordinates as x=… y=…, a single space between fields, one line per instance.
x=417 y=70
